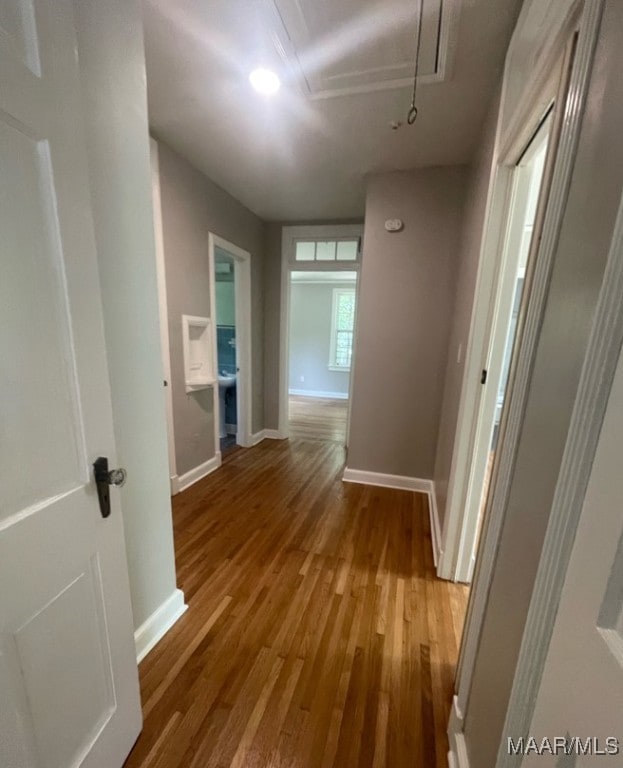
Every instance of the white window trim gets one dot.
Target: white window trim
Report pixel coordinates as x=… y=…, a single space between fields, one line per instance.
x=333 y=366
x=331 y=263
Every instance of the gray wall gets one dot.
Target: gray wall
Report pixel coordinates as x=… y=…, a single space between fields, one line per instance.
x=112 y=63
x=311 y=308
x=578 y=269
x=193 y=206
x=405 y=307
x=468 y=260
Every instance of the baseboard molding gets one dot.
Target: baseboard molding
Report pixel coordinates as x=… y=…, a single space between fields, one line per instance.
x=457 y=756
x=403 y=483
x=158 y=624
x=231 y=429
x=319 y=393
x=184 y=481
x=266 y=434
x=257 y=437
x=274 y=434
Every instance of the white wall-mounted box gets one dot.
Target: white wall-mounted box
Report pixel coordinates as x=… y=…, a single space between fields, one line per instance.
x=198 y=353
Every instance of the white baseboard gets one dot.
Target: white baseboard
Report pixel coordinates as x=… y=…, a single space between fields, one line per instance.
x=401 y=482
x=274 y=434
x=158 y=624
x=184 y=481
x=231 y=429
x=404 y=483
x=319 y=393
x=457 y=756
x=257 y=437
x=266 y=434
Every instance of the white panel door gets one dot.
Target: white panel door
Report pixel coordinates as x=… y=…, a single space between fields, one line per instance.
x=68 y=679
x=581 y=693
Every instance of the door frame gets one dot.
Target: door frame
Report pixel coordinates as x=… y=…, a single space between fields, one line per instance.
x=461 y=540
x=242 y=293
x=583 y=17
x=163 y=310
x=478 y=404
x=289 y=235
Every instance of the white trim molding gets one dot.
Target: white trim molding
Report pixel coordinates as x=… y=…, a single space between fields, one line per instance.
x=154 y=628
x=266 y=434
x=402 y=483
x=457 y=756
x=189 y=478
x=257 y=437
x=321 y=394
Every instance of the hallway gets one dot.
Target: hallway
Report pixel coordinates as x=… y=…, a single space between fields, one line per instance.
x=317 y=634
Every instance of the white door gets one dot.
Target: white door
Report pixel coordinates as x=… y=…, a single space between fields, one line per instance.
x=68 y=679
x=581 y=692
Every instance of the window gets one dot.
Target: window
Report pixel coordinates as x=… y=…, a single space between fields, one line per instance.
x=327 y=250
x=342 y=329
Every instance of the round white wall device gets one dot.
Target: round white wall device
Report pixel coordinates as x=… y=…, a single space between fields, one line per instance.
x=393 y=225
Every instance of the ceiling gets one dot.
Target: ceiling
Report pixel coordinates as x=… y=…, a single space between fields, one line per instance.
x=346 y=68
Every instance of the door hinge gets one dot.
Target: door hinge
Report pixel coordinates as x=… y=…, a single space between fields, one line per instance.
x=483 y=376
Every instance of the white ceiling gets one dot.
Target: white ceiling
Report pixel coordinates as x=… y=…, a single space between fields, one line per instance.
x=346 y=65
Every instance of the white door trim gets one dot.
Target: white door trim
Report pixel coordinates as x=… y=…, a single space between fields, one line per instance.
x=242 y=290
x=600 y=362
x=522 y=366
x=477 y=406
x=288 y=236
x=163 y=307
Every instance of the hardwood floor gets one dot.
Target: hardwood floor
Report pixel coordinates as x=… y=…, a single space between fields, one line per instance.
x=318 y=417
x=317 y=634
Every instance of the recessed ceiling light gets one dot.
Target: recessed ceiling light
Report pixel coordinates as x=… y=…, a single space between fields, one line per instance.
x=264 y=81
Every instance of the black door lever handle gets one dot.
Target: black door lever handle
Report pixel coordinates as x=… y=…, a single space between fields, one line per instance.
x=103 y=478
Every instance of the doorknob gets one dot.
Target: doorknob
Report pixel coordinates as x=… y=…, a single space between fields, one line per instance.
x=105 y=477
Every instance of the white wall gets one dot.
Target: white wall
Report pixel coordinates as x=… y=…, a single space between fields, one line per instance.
x=311 y=308
x=112 y=62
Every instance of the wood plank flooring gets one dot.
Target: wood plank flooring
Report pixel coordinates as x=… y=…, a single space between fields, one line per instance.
x=317 y=634
x=318 y=417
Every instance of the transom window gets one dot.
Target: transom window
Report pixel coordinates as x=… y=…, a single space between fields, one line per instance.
x=326 y=250
x=342 y=329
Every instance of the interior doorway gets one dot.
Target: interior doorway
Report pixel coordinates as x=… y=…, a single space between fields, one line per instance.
x=321 y=334
x=230 y=298
x=526 y=188
x=320 y=269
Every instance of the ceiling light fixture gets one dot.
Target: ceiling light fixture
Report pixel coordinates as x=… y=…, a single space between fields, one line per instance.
x=264 y=81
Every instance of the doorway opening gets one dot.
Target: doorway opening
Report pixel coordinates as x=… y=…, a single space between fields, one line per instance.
x=526 y=188
x=227 y=366
x=319 y=279
x=230 y=267
x=321 y=333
